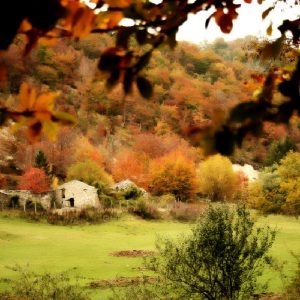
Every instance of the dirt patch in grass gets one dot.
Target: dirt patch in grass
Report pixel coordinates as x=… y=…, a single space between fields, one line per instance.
x=133 y=253
x=268 y=296
x=142 y=269
x=123 y=281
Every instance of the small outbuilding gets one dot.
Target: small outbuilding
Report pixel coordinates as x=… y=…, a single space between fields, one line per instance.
x=126 y=185
x=76 y=194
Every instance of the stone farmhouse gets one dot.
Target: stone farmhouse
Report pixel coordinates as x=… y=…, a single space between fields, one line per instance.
x=73 y=194
x=76 y=194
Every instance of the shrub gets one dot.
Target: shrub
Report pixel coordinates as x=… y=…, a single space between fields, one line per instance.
x=33 y=286
x=72 y=217
x=132 y=193
x=144 y=210
x=187 y=212
x=218 y=181
x=221 y=259
x=88 y=215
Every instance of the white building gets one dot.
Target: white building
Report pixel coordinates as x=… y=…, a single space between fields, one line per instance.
x=76 y=194
x=248 y=170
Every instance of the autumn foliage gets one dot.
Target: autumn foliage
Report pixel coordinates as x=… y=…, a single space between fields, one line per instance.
x=130 y=165
x=218 y=181
x=173 y=174
x=34 y=180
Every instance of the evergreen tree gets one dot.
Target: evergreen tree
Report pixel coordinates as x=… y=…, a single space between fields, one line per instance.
x=278 y=150
x=41 y=162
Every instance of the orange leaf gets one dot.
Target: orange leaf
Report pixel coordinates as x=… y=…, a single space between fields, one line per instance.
x=119 y=3
x=108 y=20
x=27 y=98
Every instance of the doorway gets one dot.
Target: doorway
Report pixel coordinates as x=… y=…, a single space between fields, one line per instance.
x=72 y=202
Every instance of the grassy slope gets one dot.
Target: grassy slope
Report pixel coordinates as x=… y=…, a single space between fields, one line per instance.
x=55 y=248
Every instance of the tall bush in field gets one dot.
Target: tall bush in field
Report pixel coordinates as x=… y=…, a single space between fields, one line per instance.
x=222 y=258
x=217 y=179
x=34 y=180
x=173 y=174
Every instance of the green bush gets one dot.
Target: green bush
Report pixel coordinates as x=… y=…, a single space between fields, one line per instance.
x=33 y=286
x=132 y=193
x=221 y=259
x=141 y=208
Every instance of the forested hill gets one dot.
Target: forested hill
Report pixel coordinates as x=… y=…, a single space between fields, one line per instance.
x=194 y=86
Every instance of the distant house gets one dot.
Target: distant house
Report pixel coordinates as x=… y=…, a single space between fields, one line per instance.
x=126 y=185
x=76 y=194
x=248 y=170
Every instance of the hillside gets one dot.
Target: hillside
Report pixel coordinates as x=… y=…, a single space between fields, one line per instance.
x=194 y=87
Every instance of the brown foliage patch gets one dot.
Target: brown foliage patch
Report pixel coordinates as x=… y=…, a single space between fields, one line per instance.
x=133 y=253
x=123 y=281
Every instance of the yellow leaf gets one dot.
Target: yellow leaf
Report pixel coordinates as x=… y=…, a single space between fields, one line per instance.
x=54 y=183
x=50 y=129
x=269 y=29
x=108 y=20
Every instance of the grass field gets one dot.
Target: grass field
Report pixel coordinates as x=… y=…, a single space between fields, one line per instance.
x=87 y=248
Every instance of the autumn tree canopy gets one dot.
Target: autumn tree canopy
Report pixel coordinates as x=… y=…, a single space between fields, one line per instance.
x=153 y=24
x=34 y=180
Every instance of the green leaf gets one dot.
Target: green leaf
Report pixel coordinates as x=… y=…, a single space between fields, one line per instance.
x=144 y=86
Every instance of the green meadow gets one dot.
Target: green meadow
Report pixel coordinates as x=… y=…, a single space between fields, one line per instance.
x=86 y=250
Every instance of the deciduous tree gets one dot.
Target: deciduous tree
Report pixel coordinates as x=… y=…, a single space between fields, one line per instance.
x=34 y=180
x=217 y=179
x=174 y=174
